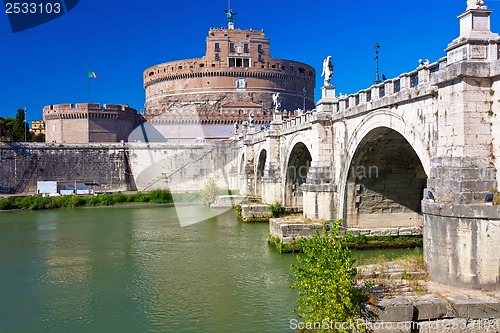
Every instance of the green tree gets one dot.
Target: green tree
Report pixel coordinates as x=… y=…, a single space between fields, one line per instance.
x=209 y=192
x=6 y=127
x=324 y=278
x=37 y=137
x=20 y=126
x=2 y=127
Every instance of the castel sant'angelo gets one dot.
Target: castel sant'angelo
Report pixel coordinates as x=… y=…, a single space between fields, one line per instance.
x=234 y=83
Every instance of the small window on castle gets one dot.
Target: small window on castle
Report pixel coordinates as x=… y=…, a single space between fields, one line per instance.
x=381 y=91
x=231 y=47
x=190 y=66
x=202 y=65
x=232 y=62
x=414 y=80
x=310 y=73
x=180 y=67
x=397 y=86
x=259 y=48
x=213 y=65
x=245 y=48
x=301 y=70
x=368 y=95
x=292 y=69
x=151 y=73
x=217 y=57
x=217 y=48
x=282 y=68
x=246 y=62
x=260 y=58
x=273 y=66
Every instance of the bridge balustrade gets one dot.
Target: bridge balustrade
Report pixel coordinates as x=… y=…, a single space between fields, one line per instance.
x=413 y=80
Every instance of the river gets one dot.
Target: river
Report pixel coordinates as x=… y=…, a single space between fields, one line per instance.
x=138 y=270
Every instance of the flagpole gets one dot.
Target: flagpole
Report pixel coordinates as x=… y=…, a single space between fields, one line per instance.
x=88 y=88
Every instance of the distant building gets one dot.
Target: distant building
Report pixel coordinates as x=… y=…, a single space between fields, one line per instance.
x=37 y=127
x=87 y=123
x=205 y=97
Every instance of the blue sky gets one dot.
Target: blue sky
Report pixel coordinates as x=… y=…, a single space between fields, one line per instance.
x=120 y=39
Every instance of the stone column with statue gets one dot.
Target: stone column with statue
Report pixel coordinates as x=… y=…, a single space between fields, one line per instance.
x=328 y=91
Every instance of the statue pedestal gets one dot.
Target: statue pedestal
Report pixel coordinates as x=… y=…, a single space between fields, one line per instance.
x=327 y=92
x=277 y=121
x=325 y=104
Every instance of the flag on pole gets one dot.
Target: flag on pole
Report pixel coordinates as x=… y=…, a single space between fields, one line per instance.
x=383 y=77
x=92 y=74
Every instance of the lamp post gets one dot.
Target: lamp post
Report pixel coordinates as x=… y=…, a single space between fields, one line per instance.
x=377 y=48
x=304 y=91
x=25 y=123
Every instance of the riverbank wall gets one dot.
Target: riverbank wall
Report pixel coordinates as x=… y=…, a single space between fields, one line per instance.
x=22 y=165
x=118 y=167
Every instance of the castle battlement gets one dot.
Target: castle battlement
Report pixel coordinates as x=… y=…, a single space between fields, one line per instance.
x=78 y=107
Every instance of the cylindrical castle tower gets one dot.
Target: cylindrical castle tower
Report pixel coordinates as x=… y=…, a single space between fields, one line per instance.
x=236 y=76
x=88 y=122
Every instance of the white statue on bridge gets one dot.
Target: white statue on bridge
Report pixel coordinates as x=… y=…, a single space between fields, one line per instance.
x=251 y=117
x=475 y=4
x=277 y=102
x=327 y=70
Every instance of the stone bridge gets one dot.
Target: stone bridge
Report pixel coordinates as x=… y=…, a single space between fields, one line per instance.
x=419 y=149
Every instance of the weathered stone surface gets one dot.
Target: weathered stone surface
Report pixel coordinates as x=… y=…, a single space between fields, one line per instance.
x=399 y=308
x=429 y=307
x=255 y=212
x=475 y=308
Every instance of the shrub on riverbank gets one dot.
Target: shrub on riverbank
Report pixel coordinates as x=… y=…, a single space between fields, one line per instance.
x=276 y=210
x=324 y=278
x=38 y=203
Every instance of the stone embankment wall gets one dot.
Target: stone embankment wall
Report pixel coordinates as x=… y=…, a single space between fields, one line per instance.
x=22 y=165
x=183 y=167
x=118 y=167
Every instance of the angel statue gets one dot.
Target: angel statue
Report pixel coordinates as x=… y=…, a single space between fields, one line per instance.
x=473 y=4
x=327 y=70
x=276 y=102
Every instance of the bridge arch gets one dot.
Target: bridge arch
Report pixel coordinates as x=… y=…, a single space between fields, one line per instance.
x=259 y=171
x=385 y=172
x=241 y=166
x=296 y=169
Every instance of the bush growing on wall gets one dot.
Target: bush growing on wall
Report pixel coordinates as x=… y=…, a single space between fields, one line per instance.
x=276 y=210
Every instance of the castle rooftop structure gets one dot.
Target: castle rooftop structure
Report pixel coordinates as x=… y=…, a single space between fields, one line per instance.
x=89 y=122
x=236 y=76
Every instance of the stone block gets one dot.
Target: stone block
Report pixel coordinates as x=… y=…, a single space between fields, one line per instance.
x=429 y=307
x=443 y=326
x=391 y=327
x=394 y=309
x=475 y=308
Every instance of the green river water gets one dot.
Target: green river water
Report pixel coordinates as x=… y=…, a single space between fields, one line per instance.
x=138 y=270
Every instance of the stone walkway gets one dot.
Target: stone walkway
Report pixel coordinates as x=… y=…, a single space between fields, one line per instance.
x=396 y=307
